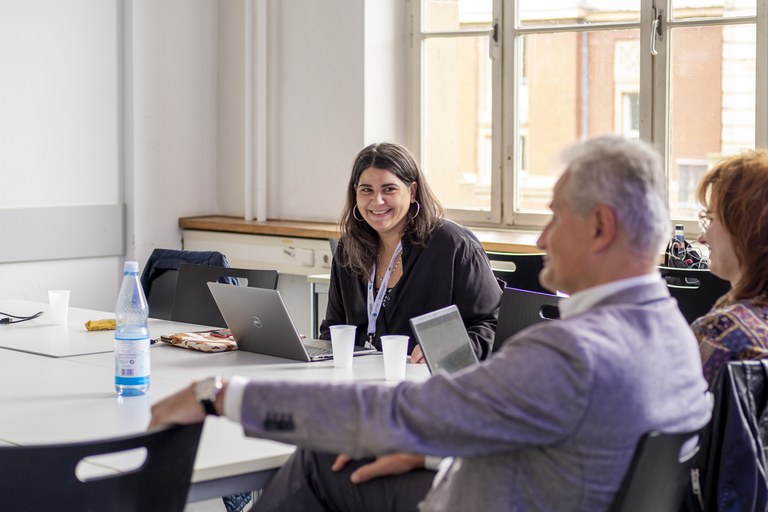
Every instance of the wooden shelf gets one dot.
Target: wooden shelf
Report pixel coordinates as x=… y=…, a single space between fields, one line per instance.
x=502 y=240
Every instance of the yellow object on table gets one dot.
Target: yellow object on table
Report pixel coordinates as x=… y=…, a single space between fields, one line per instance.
x=101 y=325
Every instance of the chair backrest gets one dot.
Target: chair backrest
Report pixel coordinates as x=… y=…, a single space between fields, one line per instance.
x=518 y=270
x=194 y=303
x=657 y=474
x=44 y=477
x=520 y=309
x=695 y=289
x=334 y=243
x=161 y=272
x=730 y=471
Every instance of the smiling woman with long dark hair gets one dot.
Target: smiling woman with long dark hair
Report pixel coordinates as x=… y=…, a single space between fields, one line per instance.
x=399 y=258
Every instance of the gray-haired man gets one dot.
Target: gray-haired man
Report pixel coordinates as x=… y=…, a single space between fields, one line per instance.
x=551 y=421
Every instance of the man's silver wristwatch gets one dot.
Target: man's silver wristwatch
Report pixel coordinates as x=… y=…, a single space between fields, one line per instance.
x=206 y=392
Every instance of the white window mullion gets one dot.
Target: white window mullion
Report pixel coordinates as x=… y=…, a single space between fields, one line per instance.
x=415 y=67
x=509 y=126
x=656 y=13
x=761 y=85
x=497 y=50
x=472 y=149
x=647 y=63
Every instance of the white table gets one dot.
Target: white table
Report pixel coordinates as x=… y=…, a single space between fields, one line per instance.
x=61 y=399
x=40 y=337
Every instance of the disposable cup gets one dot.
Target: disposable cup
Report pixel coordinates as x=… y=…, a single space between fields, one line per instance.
x=58 y=302
x=343 y=344
x=395 y=349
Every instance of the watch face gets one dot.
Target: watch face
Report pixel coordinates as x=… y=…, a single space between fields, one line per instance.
x=207 y=389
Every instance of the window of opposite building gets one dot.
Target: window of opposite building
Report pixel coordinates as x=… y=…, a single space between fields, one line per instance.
x=501 y=87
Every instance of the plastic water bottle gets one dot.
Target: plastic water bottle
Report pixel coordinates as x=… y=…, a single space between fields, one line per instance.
x=679 y=242
x=679 y=233
x=131 y=336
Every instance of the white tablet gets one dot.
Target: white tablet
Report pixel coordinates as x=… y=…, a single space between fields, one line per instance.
x=444 y=340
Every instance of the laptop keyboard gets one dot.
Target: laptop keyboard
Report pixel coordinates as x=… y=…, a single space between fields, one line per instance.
x=318 y=351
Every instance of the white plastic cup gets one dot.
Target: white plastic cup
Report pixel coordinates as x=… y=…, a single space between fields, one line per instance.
x=395 y=349
x=58 y=302
x=343 y=344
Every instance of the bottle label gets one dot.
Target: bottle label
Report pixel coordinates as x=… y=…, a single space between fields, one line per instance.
x=132 y=362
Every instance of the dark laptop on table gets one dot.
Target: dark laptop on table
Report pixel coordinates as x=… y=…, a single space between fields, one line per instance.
x=260 y=323
x=444 y=340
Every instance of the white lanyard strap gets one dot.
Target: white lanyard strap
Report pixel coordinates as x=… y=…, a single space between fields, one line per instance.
x=374 y=305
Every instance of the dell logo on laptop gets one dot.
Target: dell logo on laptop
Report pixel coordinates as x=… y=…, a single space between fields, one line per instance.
x=257 y=322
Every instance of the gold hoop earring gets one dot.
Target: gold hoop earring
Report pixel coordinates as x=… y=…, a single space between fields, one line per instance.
x=354 y=209
x=418 y=209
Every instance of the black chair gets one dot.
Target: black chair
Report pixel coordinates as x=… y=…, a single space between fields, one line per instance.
x=696 y=290
x=657 y=474
x=520 y=309
x=160 y=275
x=43 y=477
x=518 y=270
x=334 y=243
x=194 y=303
x=730 y=471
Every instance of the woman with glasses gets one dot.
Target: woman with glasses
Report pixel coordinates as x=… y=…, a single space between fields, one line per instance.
x=734 y=225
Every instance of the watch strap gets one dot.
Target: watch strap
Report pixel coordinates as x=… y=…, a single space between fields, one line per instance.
x=210 y=407
x=206 y=392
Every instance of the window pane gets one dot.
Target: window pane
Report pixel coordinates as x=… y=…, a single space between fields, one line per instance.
x=534 y=13
x=573 y=86
x=442 y=15
x=457 y=107
x=712 y=104
x=712 y=8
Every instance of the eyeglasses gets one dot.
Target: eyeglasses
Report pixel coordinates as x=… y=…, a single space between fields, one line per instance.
x=705 y=219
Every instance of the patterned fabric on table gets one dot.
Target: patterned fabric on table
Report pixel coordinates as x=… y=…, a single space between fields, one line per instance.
x=217 y=340
x=735 y=331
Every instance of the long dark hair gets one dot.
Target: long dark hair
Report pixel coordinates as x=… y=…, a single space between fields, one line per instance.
x=361 y=242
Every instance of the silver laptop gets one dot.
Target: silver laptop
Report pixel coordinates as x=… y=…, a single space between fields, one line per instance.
x=444 y=340
x=260 y=323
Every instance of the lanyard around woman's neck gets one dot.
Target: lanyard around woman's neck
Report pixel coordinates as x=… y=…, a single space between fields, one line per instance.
x=374 y=305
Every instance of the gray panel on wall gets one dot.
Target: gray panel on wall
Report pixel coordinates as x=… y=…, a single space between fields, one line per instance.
x=62 y=232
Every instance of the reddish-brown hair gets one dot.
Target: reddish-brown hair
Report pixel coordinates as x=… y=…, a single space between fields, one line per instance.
x=740 y=185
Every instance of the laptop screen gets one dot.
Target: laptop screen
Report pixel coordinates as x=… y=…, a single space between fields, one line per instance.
x=444 y=340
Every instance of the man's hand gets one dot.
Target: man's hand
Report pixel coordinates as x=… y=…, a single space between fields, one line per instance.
x=178 y=409
x=385 y=465
x=417 y=356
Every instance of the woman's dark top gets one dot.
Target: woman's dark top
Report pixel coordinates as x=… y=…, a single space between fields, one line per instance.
x=452 y=269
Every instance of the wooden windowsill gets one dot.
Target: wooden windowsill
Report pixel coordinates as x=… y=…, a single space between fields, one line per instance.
x=501 y=240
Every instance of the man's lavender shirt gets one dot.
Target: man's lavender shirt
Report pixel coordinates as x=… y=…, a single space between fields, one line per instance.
x=548 y=423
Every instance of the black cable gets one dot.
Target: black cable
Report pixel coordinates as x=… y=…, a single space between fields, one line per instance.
x=15 y=319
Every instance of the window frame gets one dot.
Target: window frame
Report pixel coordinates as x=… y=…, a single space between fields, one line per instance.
x=417 y=39
x=654 y=94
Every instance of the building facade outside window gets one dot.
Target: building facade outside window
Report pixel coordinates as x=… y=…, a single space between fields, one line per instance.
x=500 y=87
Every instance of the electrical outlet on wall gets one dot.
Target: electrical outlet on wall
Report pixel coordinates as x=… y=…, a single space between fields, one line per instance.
x=325 y=258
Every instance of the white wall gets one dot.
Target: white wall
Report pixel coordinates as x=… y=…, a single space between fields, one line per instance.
x=386 y=87
x=173 y=115
x=59 y=135
x=81 y=124
x=59 y=123
x=140 y=102
x=336 y=83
